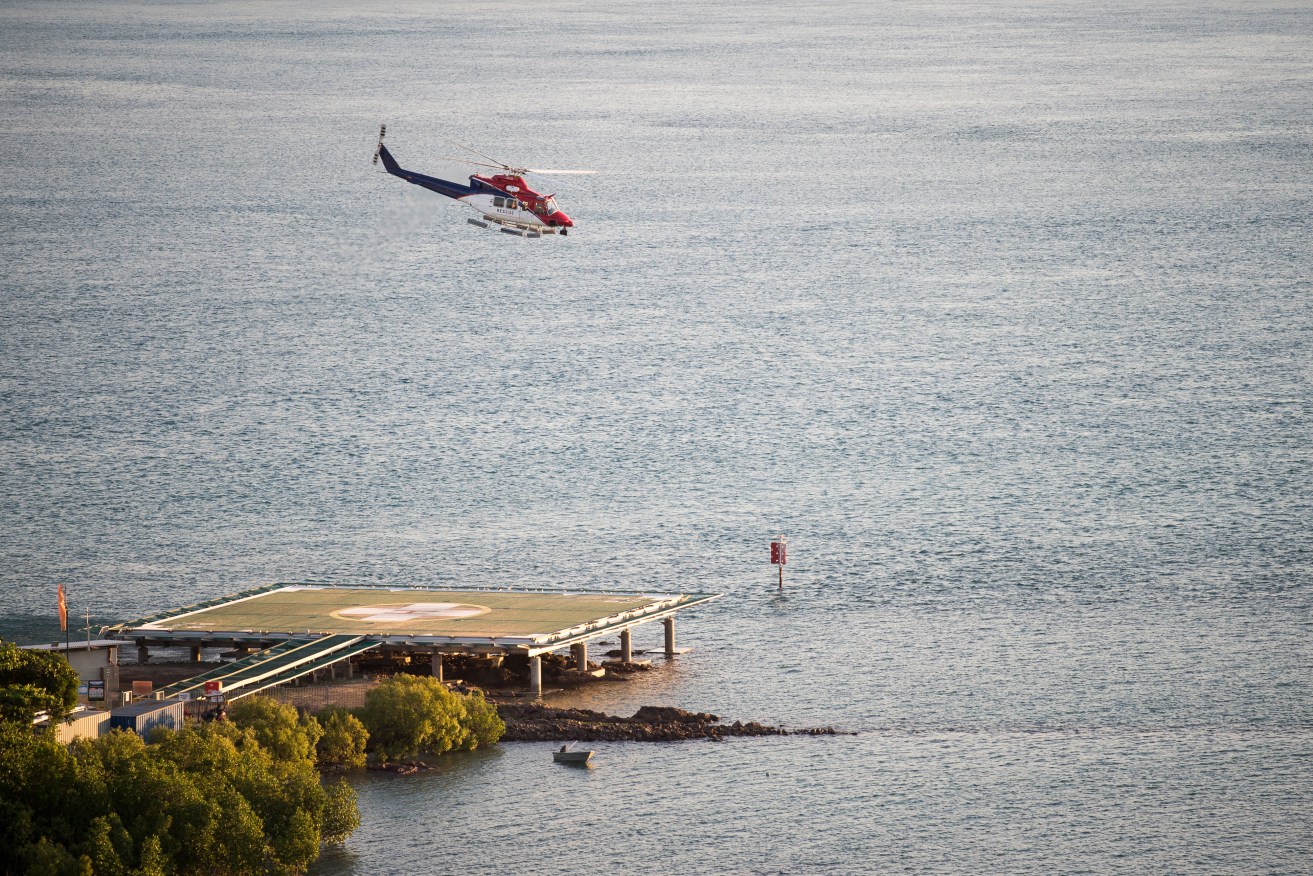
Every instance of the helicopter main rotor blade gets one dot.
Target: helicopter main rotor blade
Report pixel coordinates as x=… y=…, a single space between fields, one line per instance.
x=475 y=163
x=480 y=154
x=534 y=170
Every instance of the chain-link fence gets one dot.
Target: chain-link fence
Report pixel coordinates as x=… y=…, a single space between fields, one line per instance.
x=347 y=694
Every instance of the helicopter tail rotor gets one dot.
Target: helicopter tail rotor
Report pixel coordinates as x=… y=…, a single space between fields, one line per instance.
x=382 y=130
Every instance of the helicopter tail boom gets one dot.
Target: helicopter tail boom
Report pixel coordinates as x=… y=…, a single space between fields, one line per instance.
x=452 y=190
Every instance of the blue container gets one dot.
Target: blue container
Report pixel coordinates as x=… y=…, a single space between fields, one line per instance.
x=143 y=716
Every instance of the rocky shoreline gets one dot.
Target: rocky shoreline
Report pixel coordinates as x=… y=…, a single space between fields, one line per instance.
x=532 y=722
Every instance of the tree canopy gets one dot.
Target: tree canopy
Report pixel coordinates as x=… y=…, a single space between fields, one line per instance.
x=408 y=714
x=32 y=682
x=342 y=747
x=208 y=799
x=278 y=727
x=221 y=799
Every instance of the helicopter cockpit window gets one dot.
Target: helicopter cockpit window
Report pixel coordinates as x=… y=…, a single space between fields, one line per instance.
x=549 y=205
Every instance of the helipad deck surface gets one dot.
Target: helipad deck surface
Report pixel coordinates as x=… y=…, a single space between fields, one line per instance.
x=300 y=610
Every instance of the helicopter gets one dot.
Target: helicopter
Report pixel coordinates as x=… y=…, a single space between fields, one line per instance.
x=502 y=199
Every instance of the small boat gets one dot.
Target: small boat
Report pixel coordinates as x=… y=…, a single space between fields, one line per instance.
x=567 y=755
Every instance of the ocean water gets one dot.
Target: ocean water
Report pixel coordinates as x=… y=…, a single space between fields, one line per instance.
x=1001 y=312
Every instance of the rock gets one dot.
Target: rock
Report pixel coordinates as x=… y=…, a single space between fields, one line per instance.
x=631 y=666
x=665 y=714
x=534 y=722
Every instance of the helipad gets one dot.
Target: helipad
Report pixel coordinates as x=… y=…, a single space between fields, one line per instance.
x=413 y=619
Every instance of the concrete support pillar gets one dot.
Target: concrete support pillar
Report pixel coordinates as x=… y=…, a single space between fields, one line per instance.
x=436 y=661
x=536 y=675
x=626 y=646
x=332 y=671
x=670 y=636
x=579 y=650
x=143 y=654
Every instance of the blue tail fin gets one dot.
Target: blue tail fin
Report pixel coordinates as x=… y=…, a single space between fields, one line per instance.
x=389 y=162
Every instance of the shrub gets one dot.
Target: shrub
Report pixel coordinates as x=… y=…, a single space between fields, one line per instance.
x=341 y=817
x=203 y=800
x=482 y=725
x=278 y=727
x=407 y=714
x=342 y=746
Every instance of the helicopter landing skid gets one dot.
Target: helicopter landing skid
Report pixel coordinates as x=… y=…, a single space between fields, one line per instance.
x=515 y=227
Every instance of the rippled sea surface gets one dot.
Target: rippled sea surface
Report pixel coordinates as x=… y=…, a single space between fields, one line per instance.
x=1000 y=311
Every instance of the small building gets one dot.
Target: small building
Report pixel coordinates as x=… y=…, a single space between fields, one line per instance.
x=145 y=715
x=97 y=660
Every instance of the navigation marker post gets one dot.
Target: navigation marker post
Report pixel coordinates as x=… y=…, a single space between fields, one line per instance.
x=778 y=557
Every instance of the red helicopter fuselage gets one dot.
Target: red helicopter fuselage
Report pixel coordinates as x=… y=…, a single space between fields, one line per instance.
x=516 y=200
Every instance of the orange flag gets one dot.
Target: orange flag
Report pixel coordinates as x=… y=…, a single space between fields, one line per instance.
x=63 y=609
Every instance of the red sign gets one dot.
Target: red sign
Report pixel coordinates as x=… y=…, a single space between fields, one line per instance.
x=213 y=687
x=778 y=554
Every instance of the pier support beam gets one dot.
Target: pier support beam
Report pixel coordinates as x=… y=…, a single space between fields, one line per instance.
x=436 y=662
x=670 y=636
x=195 y=653
x=143 y=654
x=626 y=646
x=536 y=675
x=579 y=650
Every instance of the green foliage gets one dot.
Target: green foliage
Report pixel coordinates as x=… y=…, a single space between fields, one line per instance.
x=343 y=744
x=482 y=725
x=204 y=800
x=341 y=816
x=278 y=727
x=45 y=858
x=107 y=844
x=153 y=861
x=35 y=681
x=407 y=714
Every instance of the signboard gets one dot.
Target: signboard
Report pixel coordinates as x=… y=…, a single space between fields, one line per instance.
x=214 y=697
x=82 y=689
x=184 y=697
x=95 y=690
x=142 y=689
x=778 y=557
x=778 y=553
x=213 y=687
